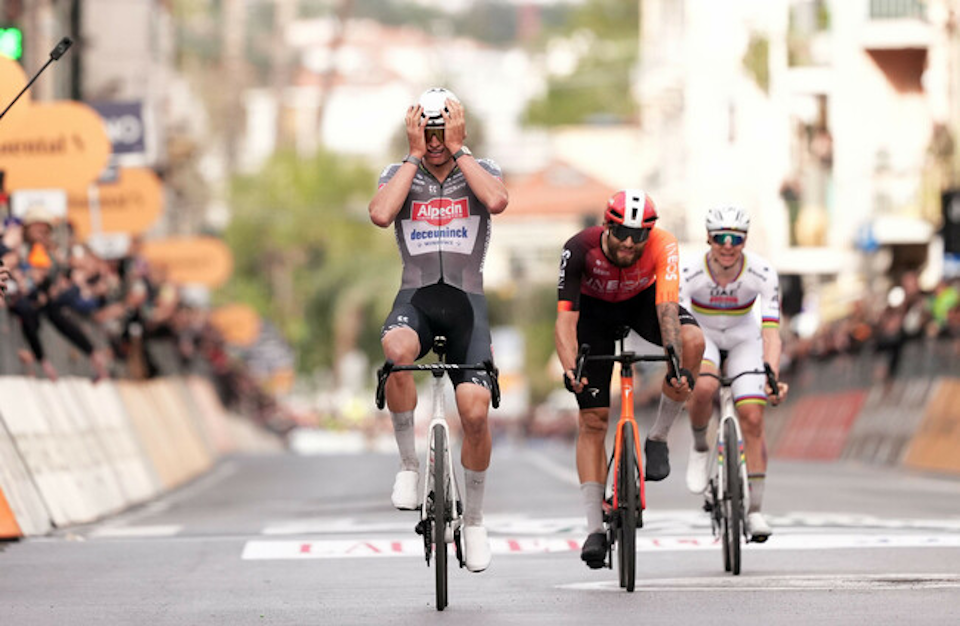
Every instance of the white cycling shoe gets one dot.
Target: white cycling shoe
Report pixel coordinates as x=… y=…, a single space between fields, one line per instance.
x=757 y=528
x=476 y=547
x=404 y=495
x=697 y=465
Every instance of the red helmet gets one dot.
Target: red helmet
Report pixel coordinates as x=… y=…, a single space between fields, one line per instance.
x=632 y=208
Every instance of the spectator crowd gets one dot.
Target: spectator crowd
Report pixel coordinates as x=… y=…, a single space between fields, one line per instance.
x=122 y=316
x=883 y=325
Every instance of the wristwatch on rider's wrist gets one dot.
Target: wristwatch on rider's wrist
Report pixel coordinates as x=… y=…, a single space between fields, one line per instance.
x=411 y=159
x=462 y=151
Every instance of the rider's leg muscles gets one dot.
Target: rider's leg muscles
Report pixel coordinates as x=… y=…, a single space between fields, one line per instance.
x=401 y=345
x=672 y=399
x=591 y=452
x=751 y=421
x=473 y=403
x=592 y=463
x=700 y=405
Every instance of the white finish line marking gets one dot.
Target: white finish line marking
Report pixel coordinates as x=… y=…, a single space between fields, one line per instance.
x=781 y=583
x=409 y=547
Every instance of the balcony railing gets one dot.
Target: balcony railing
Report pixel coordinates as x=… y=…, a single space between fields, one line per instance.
x=898 y=9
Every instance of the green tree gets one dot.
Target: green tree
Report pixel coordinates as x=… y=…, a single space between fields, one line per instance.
x=600 y=86
x=307 y=256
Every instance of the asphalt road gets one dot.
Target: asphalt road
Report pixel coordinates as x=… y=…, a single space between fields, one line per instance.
x=289 y=539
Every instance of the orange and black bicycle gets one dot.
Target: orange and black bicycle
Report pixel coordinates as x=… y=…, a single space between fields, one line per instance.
x=624 y=506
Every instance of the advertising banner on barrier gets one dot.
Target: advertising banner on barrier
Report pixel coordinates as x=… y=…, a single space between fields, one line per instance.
x=936 y=445
x=819 y=425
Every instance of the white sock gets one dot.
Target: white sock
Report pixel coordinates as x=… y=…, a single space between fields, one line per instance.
x=473 y=498
x=591 y=495
x=405 y=434
x=669 y=411
x=755 y=483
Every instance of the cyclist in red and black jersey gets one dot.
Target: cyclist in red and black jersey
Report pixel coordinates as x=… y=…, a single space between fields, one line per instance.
x=439 y=200
x=622 y=274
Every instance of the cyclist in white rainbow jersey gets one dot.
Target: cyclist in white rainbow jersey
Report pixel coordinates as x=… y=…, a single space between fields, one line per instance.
x=721 y=289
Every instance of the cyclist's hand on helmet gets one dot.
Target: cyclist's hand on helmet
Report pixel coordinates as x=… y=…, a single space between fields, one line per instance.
x=454 y=126
x=571 y=386
x=414 y=123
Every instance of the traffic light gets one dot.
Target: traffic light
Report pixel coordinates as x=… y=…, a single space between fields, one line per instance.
x=11 y=42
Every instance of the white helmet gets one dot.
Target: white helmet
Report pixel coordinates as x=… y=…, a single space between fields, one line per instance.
x=727 y=218
x=433 y=102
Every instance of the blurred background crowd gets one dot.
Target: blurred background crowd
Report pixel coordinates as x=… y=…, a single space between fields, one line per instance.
x=69 y=311
x=188 y=185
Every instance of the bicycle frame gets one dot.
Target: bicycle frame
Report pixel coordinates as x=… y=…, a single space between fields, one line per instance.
x=627 y=416
x=622 y=521
x=439 y=502
x=439 y=420
x=728 y=413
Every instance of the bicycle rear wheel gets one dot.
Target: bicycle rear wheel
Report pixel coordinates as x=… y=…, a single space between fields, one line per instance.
x=733 y=498
x=629 y=505
x=438 y=515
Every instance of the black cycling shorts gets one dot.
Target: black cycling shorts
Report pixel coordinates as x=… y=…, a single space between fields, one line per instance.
x=459 y=316
x=599 y=326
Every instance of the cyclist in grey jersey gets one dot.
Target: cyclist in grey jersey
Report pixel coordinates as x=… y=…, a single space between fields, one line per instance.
x=439 y=200
x=442 y=229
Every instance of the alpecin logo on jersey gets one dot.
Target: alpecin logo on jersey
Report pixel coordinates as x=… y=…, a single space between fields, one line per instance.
x=440 y=211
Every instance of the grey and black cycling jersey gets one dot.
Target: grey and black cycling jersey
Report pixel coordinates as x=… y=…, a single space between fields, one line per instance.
x=442 y=230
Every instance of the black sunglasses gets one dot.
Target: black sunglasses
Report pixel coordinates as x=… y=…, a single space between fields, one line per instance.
x=621 y=232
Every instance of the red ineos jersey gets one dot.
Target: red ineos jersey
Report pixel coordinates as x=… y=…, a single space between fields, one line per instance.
x=585 y=269
x=443 y=230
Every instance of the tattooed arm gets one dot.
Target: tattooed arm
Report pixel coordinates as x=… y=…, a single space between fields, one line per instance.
x=668 y=313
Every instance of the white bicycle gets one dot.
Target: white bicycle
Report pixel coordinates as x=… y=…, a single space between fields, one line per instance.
x=728 y=494
x=441 y=509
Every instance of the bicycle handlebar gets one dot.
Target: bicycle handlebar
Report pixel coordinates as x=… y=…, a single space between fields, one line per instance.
x=486 y=366
x=623 y=358
x=767 y=371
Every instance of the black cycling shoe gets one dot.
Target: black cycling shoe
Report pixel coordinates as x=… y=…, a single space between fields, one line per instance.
x=594 y=551
x=658 y=460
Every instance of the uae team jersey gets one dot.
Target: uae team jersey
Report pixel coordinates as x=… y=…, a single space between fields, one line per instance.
x=443 y=230
x=586 y=270
x=722 y=308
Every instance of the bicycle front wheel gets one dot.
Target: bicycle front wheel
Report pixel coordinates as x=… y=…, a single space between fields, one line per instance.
x=629 y=504
x=733 y=498
x=438 y=515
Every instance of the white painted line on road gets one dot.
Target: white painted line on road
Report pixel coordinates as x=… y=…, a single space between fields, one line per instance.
x=747 y=582
x=126 y=532
x=681 y=522
x=369 y=548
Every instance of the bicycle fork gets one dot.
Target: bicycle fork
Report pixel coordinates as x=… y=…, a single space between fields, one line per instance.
x=453 y=515
x=737 y=456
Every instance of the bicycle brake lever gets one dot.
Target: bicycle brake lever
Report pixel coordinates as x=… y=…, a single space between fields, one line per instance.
x=494 y=374
x=382 y=374
x=772 y=380
x=581 y=360
x=674 y=371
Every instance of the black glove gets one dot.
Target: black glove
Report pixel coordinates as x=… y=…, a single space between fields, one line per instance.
x=684 y=372
x=568 y=383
